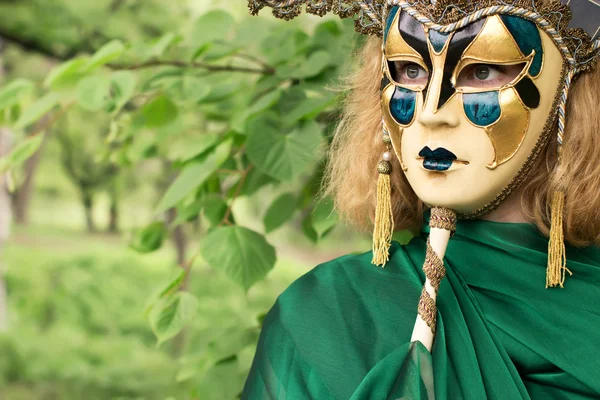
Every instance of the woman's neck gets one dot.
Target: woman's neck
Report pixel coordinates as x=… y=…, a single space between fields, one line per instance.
x=510 y=210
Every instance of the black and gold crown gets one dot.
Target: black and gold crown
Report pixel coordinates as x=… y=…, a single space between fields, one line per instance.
x=573 y=24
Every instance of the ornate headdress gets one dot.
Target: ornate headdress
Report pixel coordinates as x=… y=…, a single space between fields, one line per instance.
x=430 y=27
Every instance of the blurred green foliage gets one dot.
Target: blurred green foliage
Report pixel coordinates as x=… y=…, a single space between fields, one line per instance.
x=203 y=109
x=79 y=328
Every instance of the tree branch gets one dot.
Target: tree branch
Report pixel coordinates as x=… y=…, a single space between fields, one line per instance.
x=116 y=4
x=183 y=64
x=254 y=59
x=238 y=189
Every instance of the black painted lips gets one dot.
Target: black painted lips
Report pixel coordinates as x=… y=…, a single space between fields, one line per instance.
x=439 y=159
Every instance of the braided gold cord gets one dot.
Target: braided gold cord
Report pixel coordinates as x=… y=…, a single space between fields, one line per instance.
x=428 y=310
x=443 y=218
x=435 y=271
x=433 y=267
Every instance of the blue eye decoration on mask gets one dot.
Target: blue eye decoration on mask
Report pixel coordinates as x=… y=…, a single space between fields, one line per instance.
x=402 y=105
x=483 y=108
x=528 y=38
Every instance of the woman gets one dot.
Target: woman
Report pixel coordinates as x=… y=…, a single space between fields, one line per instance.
x=472 y=96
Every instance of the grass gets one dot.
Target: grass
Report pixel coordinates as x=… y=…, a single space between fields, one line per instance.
x=77 y=325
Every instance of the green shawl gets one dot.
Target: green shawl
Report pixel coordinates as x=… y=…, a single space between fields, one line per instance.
x=342 y=331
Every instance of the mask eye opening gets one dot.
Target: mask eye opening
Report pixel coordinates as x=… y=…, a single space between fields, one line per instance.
x=407 y=73
x=477 y=75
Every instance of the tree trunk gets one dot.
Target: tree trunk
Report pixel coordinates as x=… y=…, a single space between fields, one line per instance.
x=113 y=215
x=88 y=206
x=22 y=196
x=5 y=220
x=180 y=241
x=179 y=238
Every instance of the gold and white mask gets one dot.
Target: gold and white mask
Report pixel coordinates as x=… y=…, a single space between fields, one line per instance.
x=467 y=112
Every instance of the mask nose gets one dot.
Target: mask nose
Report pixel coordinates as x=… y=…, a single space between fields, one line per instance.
x=434 y=118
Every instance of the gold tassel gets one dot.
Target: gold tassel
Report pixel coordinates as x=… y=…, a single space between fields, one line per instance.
x=384 y=220
x=557 y=259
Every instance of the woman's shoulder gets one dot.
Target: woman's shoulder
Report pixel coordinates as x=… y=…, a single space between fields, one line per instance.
x=355 y=270
x=346 y=309
x=351 y=288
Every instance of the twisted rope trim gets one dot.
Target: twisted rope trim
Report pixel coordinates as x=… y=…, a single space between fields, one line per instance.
x=562 y=106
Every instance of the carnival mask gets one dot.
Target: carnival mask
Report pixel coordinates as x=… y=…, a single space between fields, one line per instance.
x=469 y=111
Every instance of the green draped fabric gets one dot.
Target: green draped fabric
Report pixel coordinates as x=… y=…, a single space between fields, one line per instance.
x=342 y=331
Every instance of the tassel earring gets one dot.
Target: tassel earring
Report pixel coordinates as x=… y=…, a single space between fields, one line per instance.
x=384 y=219
x=557 y=259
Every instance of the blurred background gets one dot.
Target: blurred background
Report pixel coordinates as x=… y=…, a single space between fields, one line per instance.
x=161 y=163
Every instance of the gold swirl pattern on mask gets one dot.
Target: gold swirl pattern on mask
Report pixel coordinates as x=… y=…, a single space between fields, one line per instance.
x=396 y=46
x=548 y=130
x=508 y=133
x=494 y=35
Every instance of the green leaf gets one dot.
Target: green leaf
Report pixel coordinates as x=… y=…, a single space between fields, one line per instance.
x=35 y=111
x=195 y=89
x=107 y=53
x=251 y=31
x=150 y=238
x=309 y=230
x=164 y=79
x=212 y=26
x=160 y=111
x=66 y=74
x=285 y=44
x=218 y=51
x=201 y=50
x=188 y=212
x=324 y=218
x=12 y=114
x=163 y=44
x=12 y=93
x=174 y=283
x=21 y=153
x=123 y=85
x=220 y=91
x=186 y=147
x=244 y=255
x=263 y=103
x=308 y=109
x=280 y=211
x=171 y=314
x=315 y=64
x=194 y=175
x=214 y=209
x=282 y=156
x=93 y=92
x=255 y=181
